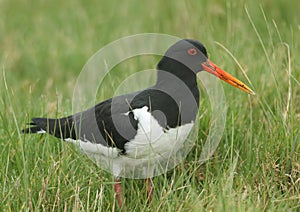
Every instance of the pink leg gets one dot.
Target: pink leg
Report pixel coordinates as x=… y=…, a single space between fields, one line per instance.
x=118 y=192
x=150 y=190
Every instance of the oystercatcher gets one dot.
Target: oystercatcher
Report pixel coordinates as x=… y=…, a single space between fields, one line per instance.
x=134 y=132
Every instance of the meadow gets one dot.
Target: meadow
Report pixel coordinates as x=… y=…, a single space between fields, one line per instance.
x=256 y=167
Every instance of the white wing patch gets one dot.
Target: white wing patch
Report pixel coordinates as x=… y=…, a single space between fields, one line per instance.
x=92 y=148
x=41 y=132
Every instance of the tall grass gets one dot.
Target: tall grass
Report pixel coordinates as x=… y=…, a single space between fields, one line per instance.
x=256 y=166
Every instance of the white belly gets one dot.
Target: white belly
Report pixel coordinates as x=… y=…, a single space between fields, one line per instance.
x=151 y=152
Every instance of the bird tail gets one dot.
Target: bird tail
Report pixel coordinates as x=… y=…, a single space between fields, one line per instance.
x=61 y=128
x=34 y=128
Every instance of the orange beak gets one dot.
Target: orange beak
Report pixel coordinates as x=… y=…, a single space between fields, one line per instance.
x=215 y=70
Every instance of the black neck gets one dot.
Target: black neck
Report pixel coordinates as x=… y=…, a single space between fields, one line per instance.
x=171 y=72
x=176 y=68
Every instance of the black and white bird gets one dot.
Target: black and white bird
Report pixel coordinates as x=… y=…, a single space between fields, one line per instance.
x=135 y=132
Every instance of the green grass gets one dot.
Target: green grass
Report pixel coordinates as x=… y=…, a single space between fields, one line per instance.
x=45 y=44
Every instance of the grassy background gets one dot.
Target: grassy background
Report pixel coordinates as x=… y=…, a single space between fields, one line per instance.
x=44 y=45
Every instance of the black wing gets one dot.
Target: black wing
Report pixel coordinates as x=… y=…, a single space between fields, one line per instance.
x=112 y=122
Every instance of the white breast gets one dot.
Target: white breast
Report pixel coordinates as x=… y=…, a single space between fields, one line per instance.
x=151 y=139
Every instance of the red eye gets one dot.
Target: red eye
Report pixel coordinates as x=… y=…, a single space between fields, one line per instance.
x=192 y=51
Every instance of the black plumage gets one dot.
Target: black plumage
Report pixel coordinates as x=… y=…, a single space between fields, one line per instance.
x=138 y=135
x=173 y=101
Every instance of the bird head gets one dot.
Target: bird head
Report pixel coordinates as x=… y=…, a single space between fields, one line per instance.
x=193 y=55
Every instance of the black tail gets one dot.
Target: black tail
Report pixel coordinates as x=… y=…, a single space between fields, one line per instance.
x=61 y=128
x=33 y=129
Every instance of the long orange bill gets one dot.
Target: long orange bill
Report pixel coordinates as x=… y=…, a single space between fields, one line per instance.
x=215 y=70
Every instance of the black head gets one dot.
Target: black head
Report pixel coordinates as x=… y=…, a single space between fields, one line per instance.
x=187 y=57
x=186 y=44
x=189 y=53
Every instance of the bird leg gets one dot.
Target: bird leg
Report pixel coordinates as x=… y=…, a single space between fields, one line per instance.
x=118 y=192
x=150 y=190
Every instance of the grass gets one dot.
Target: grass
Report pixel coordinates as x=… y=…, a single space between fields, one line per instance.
x=44 y=45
